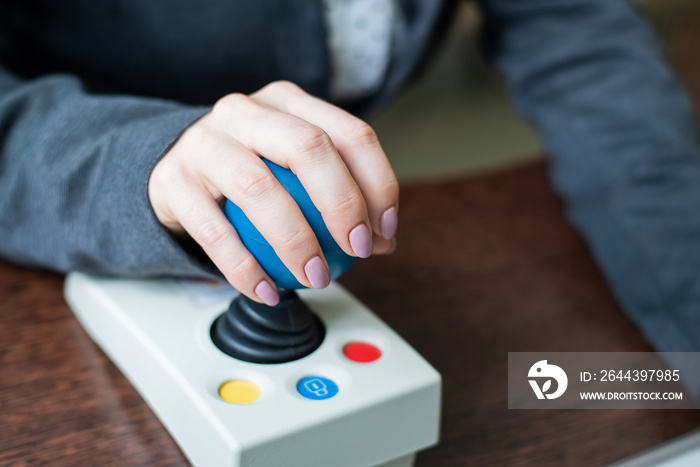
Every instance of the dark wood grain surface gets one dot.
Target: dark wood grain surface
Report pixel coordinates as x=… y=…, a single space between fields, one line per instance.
x=485 y=266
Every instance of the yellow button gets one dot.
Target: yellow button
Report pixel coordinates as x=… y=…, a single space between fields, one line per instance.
x=238 y=391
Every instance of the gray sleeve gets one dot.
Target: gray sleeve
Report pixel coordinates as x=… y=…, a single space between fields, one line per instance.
x=74 y=170
x=624 y=149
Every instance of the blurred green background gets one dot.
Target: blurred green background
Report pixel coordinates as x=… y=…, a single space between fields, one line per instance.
x=457 y=118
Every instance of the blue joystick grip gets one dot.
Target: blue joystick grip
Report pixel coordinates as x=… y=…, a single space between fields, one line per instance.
x=338 y=260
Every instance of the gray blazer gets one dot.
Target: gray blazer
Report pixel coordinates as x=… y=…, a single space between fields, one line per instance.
x=93 y=93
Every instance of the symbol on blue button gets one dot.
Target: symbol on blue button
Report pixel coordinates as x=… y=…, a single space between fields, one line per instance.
x=317 y=388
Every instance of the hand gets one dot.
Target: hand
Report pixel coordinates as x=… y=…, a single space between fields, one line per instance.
x=336 y=156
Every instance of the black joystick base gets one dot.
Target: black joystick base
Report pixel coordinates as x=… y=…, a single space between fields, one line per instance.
x=258 y=333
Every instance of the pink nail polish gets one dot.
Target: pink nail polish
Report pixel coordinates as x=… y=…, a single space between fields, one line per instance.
x=388 y=223
x=317 y=273
x=267 y=293
x=361 y=241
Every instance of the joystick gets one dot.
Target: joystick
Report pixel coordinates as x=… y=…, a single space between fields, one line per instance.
x=257 y=333
x=316 y=380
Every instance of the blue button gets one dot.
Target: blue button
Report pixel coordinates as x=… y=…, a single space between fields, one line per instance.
x=317 y=388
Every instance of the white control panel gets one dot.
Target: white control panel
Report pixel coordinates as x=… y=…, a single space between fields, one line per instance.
x=363 y=398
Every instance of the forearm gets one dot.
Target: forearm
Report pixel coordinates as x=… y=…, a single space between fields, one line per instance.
x=74 y=174
x=625 y=154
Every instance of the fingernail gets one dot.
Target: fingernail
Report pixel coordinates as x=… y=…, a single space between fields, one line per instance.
x=317 y=273
x=361 y=241
x=267 y=293
x=388 y=223
x=393 y=246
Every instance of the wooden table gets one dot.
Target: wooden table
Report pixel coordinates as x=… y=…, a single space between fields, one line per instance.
x=485 y=266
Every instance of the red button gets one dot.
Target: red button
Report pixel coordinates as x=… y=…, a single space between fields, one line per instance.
x=362 y=352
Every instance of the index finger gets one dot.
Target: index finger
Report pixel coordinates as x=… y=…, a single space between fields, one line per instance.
x=357 y=144
x=308 y=151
